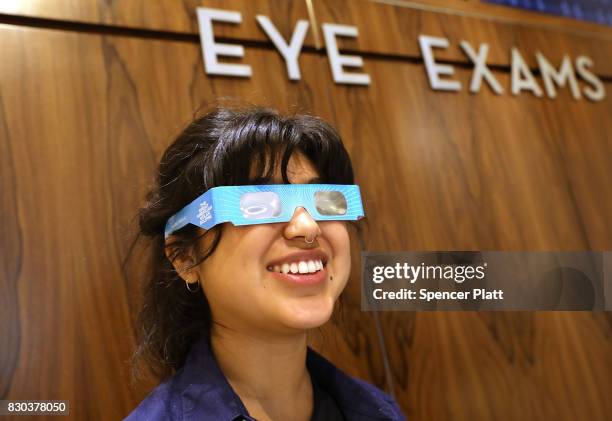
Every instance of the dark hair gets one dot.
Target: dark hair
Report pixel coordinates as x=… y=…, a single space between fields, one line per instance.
x=219 y=148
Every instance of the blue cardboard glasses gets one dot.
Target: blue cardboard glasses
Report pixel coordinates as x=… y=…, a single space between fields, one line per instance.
x=269 y=203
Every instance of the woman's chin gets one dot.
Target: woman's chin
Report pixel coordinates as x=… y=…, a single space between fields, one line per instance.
x=308 y=312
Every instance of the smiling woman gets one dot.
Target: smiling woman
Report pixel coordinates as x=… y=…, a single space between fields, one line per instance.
x=227 y=309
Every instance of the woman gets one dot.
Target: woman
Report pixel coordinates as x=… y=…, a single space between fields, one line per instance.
x=227 y=309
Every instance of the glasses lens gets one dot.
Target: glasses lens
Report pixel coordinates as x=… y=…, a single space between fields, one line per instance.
x=330 y=202
x=260 y=205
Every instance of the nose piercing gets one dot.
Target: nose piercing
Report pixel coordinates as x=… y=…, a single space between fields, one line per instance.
x=308 y=242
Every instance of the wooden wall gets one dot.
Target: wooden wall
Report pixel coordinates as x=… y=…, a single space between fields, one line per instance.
x=91 y=93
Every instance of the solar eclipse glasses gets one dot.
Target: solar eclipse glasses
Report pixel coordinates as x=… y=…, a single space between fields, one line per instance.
x=269 y=203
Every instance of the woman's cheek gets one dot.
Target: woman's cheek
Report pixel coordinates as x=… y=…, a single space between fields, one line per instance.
x=342 y=255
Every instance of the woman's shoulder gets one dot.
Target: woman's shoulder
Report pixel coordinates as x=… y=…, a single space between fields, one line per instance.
x=382 y=395
x=160 y=404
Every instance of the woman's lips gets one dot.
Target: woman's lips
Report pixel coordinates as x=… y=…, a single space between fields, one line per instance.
x=302 y=278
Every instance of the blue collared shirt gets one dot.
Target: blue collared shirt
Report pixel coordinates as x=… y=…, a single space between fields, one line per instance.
x=200 y=391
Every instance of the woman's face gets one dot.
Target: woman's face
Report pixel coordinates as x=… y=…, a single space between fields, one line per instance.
x=242 y=291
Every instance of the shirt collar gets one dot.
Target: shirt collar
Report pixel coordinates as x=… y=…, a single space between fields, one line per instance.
x=355 y=397
x=205 y=392
x=207 y=395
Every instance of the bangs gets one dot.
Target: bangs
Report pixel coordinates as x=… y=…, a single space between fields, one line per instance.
x=252 y=147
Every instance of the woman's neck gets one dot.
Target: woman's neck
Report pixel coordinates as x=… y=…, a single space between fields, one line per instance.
x=268 y=373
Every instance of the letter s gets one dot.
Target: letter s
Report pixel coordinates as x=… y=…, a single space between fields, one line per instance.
x=598 y=92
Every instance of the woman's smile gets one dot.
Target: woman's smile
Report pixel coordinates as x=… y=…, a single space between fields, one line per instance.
x=309 y=273
x=303 y=268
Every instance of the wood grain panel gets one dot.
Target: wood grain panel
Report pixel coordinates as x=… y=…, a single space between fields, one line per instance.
x=404 y=24
x=10 y=258
x=72 y=325
x=166 y=15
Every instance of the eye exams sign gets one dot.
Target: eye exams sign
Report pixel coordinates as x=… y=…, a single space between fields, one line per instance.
x=440 y=75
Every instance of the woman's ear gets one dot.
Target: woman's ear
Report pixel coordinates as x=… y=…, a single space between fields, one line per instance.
x=182 y=259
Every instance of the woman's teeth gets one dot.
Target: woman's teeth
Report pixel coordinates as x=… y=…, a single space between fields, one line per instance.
x=303 y=266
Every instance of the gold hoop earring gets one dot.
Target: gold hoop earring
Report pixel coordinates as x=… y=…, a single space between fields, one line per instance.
x=192 y=290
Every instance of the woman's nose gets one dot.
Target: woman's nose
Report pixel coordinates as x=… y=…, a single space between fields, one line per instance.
x=302 y=225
